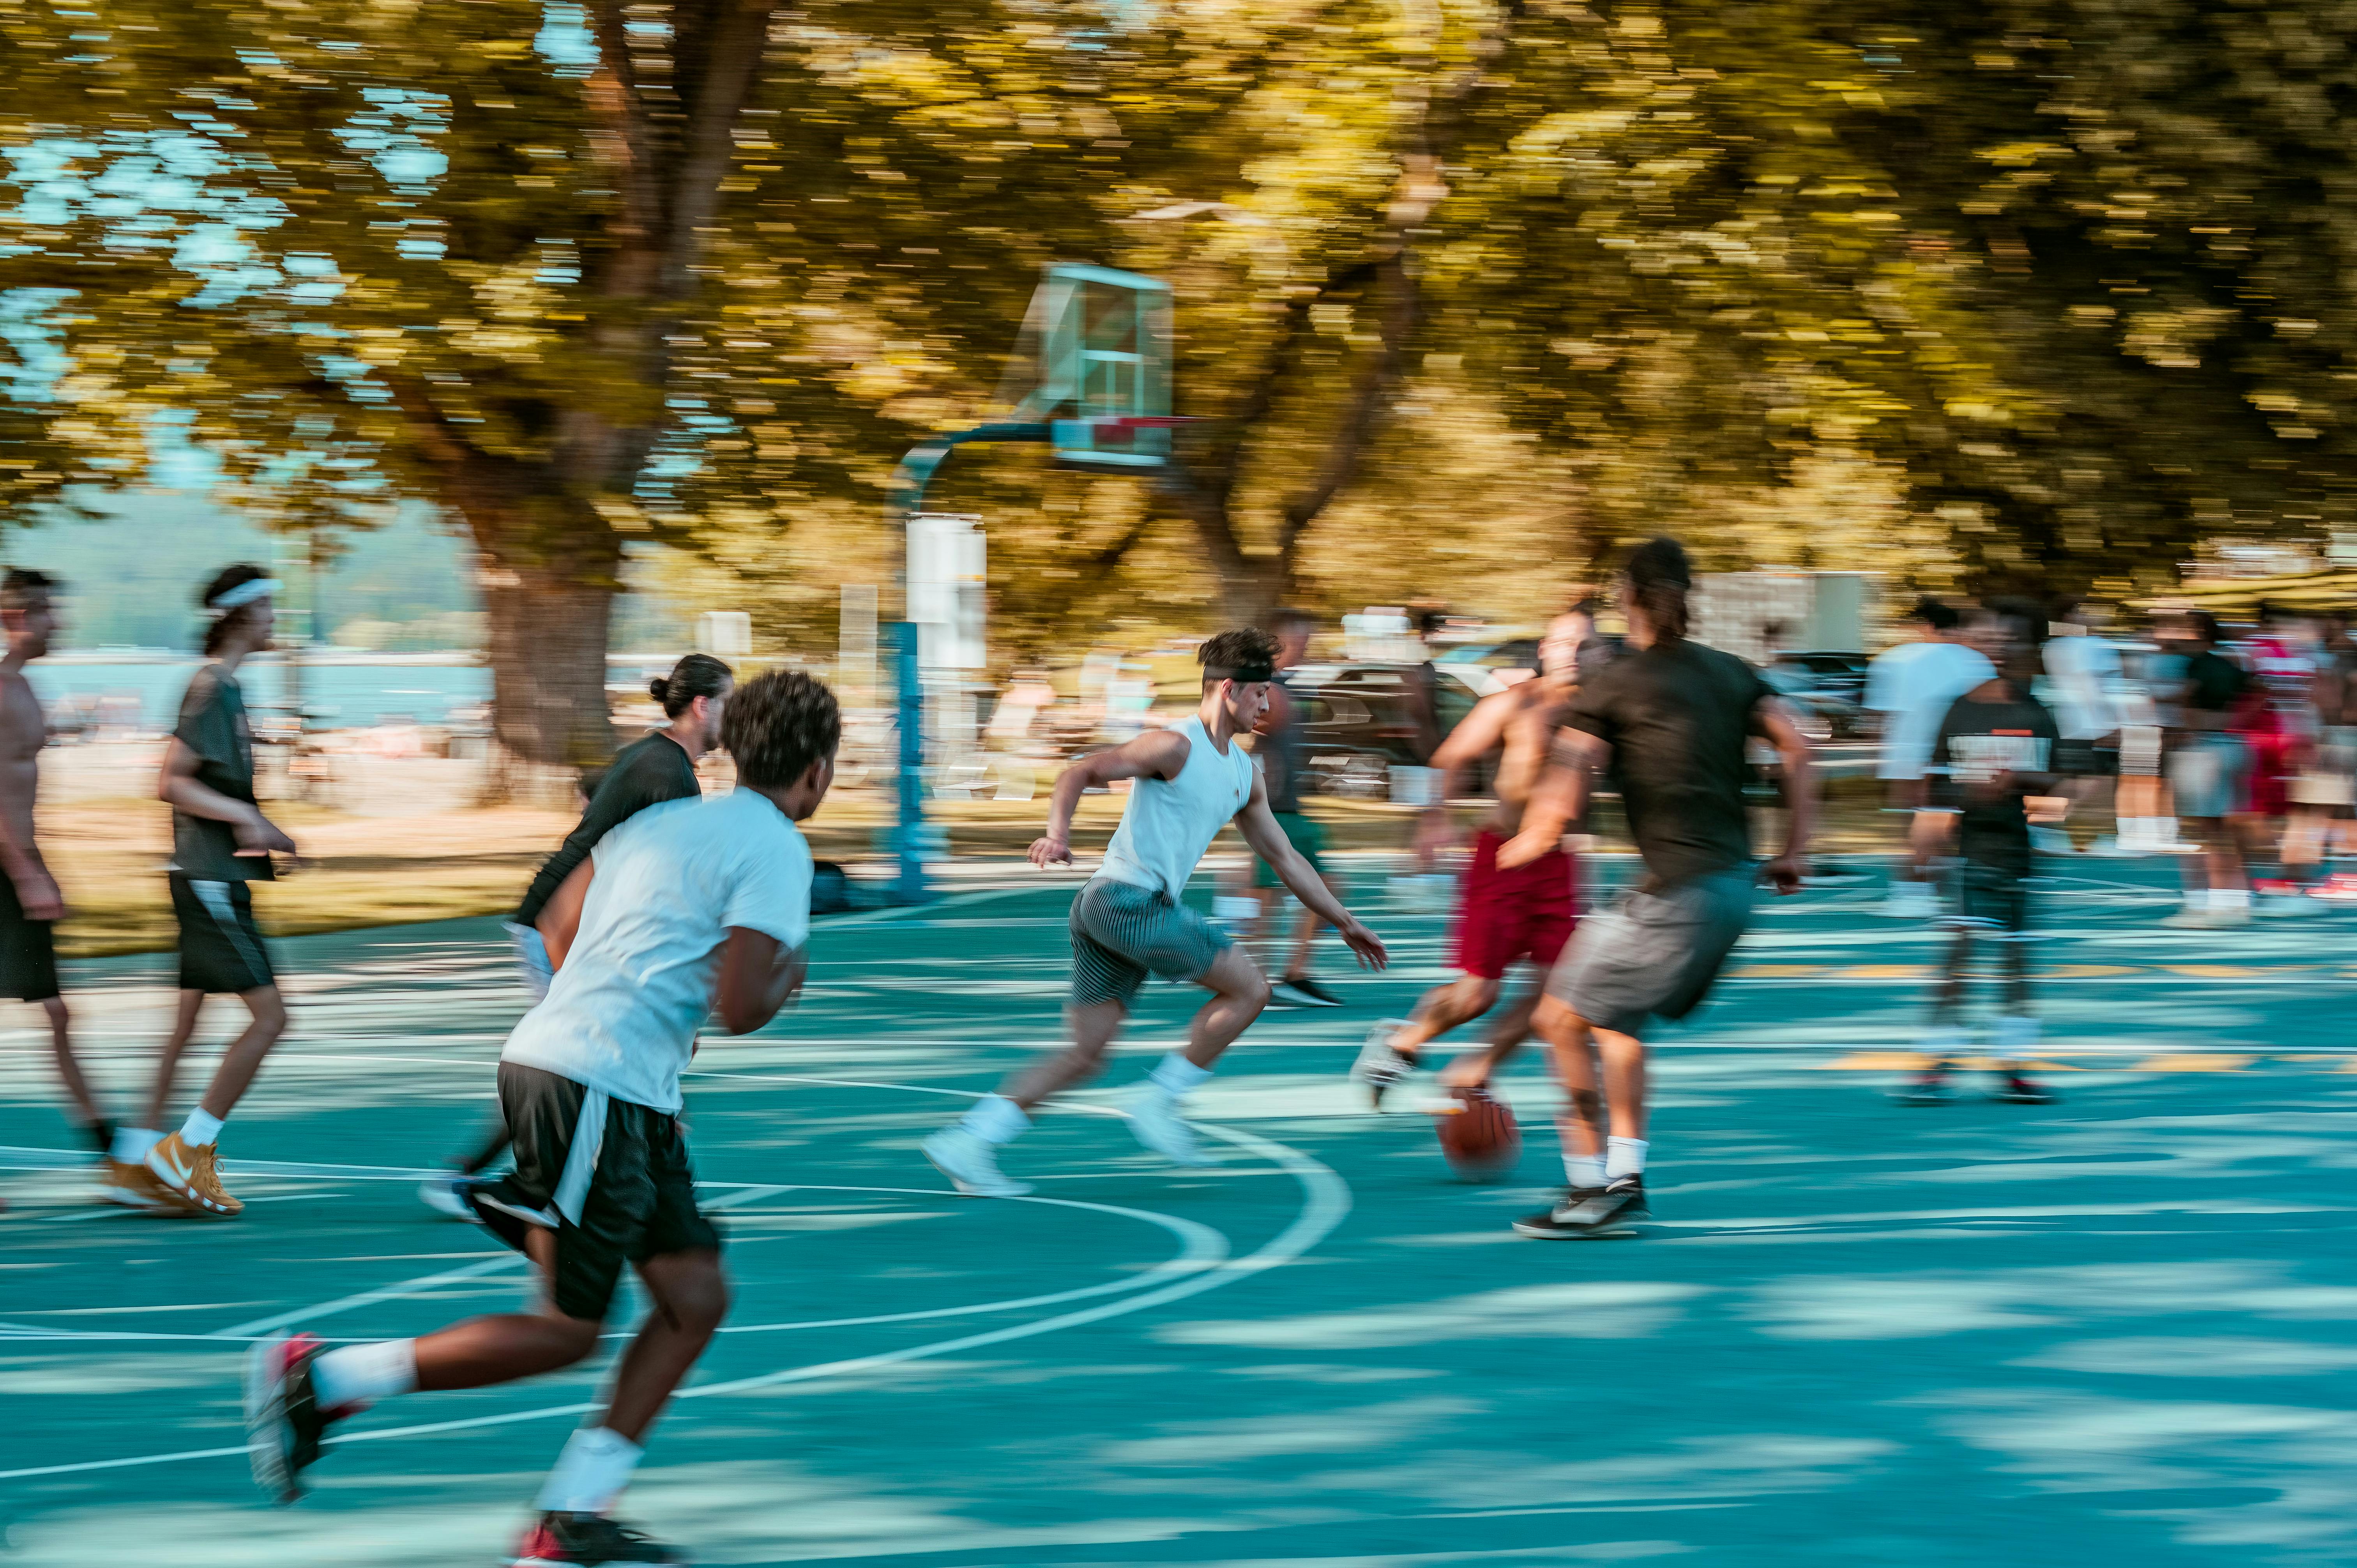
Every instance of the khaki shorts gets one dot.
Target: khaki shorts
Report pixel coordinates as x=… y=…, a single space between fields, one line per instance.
x=1654 y=954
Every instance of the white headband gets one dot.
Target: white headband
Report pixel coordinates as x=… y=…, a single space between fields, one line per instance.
x=244 y=593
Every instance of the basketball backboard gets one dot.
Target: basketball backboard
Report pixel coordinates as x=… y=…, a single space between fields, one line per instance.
x=1096 y=354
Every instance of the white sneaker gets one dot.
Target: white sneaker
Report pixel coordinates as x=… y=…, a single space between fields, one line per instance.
x=1153 y=1117
x=1380 y=1068
x=970 y=1162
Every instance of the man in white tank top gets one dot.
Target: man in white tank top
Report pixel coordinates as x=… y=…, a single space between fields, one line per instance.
x=1191 y=779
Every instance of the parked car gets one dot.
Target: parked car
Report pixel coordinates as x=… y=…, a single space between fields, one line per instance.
x=1359 y=725
x=1842 y=673
x=1822 y=712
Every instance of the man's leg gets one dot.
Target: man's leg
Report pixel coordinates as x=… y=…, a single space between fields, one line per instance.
x=187 y=1161
x=167 y=1065
x=1475 y=1069
x=71 y=1076
x=1572 y=1048
x=244 y=1058
x=689 y=1295
x=1238 y=994
x=1094 y=1028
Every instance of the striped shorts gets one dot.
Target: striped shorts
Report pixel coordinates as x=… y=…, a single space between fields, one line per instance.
x=221 y=947
x=1121 y=933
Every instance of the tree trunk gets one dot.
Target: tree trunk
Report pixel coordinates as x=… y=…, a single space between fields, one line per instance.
x=548 y=664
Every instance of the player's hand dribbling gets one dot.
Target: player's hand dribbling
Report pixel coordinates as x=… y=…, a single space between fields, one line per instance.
x=1366 y=944
x=1783 y=873
x=1051 y=850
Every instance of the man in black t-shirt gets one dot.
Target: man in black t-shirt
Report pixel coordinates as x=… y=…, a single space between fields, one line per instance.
x=2209 y=767
x=1671 y=721
x=221 y=842
x=1994 y=747
x=659 y=766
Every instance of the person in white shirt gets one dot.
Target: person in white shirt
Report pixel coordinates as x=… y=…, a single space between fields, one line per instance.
x=690 y=908
x=1911 y=686
x=1191 y=780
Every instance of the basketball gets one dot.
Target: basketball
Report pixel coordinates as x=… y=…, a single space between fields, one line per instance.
x=1477 y=1137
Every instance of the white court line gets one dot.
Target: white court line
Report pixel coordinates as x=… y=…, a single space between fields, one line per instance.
x=1326 y=1200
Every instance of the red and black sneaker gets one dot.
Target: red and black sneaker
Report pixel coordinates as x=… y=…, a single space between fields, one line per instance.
x=572 y=1540
x=283 y=1417
x=2019 y=1091
x=1929 y=1087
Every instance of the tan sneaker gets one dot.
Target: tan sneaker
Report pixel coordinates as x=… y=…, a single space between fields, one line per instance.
x=190 y=1175
x=133 y=1186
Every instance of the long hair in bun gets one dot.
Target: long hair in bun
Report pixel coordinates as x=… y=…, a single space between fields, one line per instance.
x=697 y=675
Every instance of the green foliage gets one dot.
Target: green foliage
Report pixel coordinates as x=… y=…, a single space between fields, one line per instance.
x=2029 y=294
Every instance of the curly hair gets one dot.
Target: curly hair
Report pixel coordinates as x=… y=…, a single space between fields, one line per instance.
x=1238 y=649
x=778 y=725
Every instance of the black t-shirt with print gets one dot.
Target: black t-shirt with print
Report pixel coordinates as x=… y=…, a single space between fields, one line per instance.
x=1678 y=717
x=2015 y=736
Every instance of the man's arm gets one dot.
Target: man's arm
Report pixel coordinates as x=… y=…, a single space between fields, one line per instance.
x=560 y=917
x=759 y=974
x=1558 y=799
x=1480 y=733
x=1259 y=828
x=179 y=788
x=1800 y=792
x=1159 y=755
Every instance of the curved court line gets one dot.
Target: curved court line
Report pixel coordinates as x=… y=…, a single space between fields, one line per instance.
x=1326 y=1200
x=1200 y=1247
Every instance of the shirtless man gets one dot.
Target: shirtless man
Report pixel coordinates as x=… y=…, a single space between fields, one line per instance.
x=30 y=904
x=1501 y=917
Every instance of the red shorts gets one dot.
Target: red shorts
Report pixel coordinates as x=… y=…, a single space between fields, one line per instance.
x=1506 y=915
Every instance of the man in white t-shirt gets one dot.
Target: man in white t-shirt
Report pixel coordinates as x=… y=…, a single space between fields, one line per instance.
x=1911 y=686
x=692 y=909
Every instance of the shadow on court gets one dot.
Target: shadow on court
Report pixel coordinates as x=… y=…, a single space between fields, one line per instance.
x=2114 y=1329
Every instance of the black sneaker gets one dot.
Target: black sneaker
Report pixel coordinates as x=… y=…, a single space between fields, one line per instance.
x=1300 y=991
x=283 y=1416
x=1589 y=1213
x=2019 y=1091
x=568 y=1540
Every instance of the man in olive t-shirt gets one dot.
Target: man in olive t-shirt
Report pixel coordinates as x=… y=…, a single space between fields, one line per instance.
x=221 y=841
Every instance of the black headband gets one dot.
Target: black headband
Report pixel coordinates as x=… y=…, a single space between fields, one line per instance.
x=1248 y=673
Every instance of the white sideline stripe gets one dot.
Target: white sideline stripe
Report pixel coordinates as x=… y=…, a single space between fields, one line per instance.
x=1326 y=1201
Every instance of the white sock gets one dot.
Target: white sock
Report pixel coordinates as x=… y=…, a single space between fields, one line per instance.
x=1583 y=1170
x=2196 y=900
x=2164 y=829
x=200 y=1129
x=131 y=1144
x=591 y=1472
x=1623 y=1156
x=2017 y=1035
x=1176 y=1075
x=995 y=1119
x=360 y=1375
x=2230 y=899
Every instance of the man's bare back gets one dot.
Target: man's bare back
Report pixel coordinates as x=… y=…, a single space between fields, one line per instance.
x=1517 y=725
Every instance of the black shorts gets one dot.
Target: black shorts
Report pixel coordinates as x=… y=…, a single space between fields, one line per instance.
x=29 y=959
x=1992 y=898
x=221 y=947
x=611 y=1179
